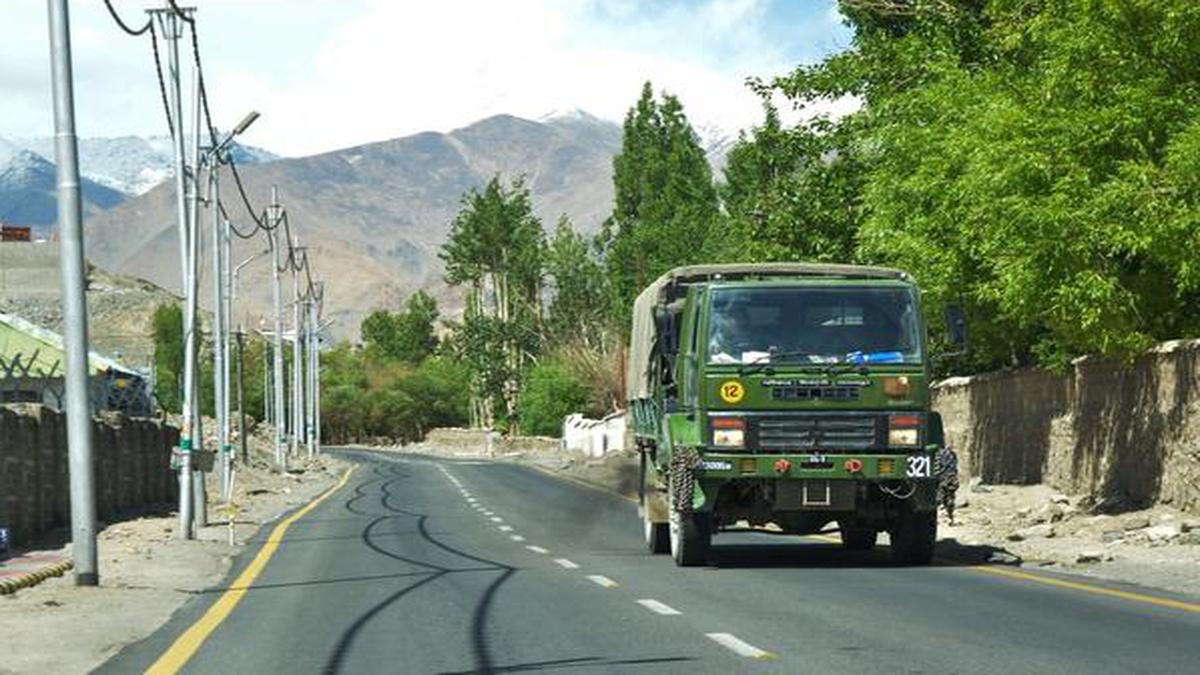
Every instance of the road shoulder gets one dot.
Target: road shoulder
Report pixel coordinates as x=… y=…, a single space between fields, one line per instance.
x=146 y=576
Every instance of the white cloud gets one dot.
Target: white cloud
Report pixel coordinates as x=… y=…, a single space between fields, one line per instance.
x=327 y=75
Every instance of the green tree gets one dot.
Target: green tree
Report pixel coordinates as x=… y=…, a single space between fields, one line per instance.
x=1024 y=159
x=167 y=331
x=665 y=201
x=792 y=194
x=494 y=250
x=578 y=310
x=406 y=336
x=551 y=392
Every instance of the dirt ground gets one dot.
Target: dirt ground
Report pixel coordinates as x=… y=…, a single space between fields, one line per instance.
x=1036 y=526
x=1027 y=525
x=146 y=573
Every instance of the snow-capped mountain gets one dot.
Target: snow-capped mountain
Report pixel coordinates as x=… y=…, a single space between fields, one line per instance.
x=29 y=190
x=716 y=140
x=133 y=164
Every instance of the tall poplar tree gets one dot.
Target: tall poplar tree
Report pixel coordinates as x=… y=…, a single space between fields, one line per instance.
x=495 y=250
x=665 y=201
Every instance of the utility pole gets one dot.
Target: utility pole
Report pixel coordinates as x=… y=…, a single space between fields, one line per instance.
x=199 y=487
x=220 y=372
x=273 y=236
x=241 y=395
x=310 y=347
x=268 y=388
x=297 y=353
x=74 y=302
x=169 y=27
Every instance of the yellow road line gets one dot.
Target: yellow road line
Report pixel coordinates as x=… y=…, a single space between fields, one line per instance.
x=1086 y=588
x=997 y=571
x=1052 y=581
x=176 y=657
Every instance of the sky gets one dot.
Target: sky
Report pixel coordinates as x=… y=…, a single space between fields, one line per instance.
x=328 y=74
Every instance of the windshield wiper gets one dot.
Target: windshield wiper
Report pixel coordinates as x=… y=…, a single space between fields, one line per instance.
x=833 y=370
x=766 y=361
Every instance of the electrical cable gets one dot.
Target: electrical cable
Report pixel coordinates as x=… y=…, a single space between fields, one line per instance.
x=294 y=263
x=237 y=179
x=162 y=86
x=179 y=12
x=233 y=228
x=212 y=130
x=124 y=26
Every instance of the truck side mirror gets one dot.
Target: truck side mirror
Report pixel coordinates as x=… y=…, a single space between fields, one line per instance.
x=956 y=325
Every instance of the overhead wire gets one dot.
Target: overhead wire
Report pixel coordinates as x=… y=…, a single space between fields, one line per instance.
x=293 y=263
x=162 y=85
x=124 y=26
x=180 y=13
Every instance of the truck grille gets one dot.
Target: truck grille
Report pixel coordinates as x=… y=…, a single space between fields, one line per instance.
x=812 y=432
x=815 y=393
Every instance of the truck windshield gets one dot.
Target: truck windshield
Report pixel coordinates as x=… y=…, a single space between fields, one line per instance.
x=813 y=325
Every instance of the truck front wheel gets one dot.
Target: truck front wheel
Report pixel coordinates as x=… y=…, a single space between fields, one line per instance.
x=913 y=537
x=691 y=535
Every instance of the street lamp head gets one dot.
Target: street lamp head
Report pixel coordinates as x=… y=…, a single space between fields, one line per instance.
x=246 y=122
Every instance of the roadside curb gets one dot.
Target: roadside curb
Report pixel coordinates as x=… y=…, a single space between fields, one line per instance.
x=12 y=585
x=577 y=480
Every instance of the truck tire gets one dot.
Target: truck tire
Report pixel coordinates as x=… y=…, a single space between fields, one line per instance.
x=691 y=535
x=913 y=537
x=858 y=538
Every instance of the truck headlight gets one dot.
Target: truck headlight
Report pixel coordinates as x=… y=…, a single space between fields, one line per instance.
x=729 y=432
x=904 y=430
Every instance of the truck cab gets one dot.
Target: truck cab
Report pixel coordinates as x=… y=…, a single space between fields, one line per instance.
x=786 y=395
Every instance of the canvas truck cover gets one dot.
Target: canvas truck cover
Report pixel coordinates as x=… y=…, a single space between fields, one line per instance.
x=638 y=383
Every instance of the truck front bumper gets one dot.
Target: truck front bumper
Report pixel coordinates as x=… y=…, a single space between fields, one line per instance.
x=816 y=466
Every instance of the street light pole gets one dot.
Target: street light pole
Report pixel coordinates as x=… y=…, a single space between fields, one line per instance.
x=277 y=356
x=169 y=27
x=241 y=346
x=192 y=311
x=221 y=283
x=74 y=302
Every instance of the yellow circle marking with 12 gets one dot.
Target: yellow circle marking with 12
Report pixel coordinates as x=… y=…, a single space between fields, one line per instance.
x=732 y=391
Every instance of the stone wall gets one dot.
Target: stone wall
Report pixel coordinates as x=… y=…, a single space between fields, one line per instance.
x=1103 y=428
x=131 y=459
x=476 y=441
x=29 y=270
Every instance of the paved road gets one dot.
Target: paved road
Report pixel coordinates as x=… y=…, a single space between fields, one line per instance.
x=428 y=566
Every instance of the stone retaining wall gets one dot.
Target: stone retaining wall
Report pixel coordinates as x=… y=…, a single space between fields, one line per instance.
x=1103 y=428
x=131 y=459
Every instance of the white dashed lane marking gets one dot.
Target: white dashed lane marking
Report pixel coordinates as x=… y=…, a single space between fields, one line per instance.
x=658 y=607
x=537 y=549
x=563 y=562
x=517 y=537
x=497 y=519
x=601 y=580
x=739 y=647
x=505 y=528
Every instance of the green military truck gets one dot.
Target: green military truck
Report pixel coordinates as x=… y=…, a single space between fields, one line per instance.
x=785 y=393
